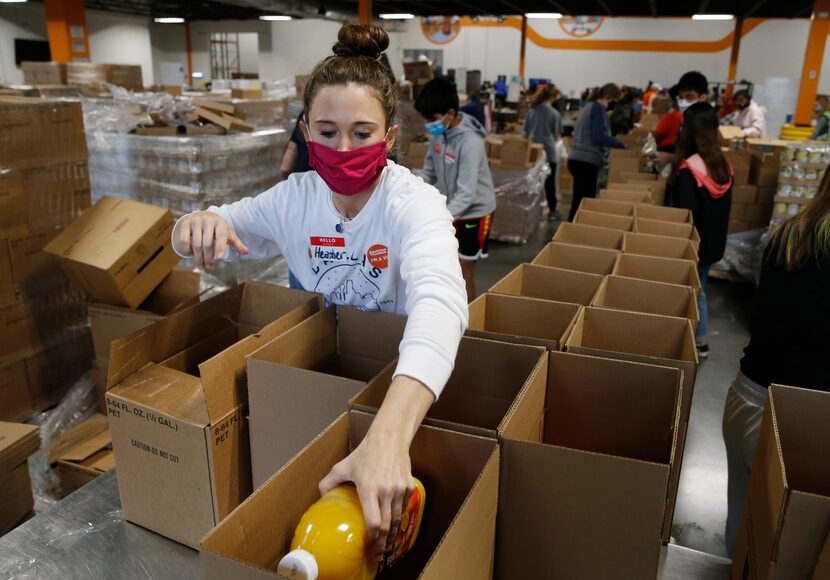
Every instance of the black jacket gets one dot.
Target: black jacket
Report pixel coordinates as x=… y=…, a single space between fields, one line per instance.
x=711 y=215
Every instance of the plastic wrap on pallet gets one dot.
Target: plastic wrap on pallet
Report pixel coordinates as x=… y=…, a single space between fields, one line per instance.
x=185 y=174
x=743 y=254
x=519 y=202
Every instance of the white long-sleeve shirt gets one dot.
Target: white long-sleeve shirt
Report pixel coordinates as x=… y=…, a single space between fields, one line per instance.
x=751 y=121
x=399 y=254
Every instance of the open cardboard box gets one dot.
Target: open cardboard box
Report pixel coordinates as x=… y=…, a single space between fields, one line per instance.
x=625 y=195
x=625 y=208
x=647 y=338
x=83 y=453
x=460 y=473
x=495 y=390
x=604 y=220
x=594 y=236
x=660 y=246
x=303 y=380
x=668 y=270
x=175 y=395
x=118 y=250
x=784 y=531
x=621 y=293
x=663 y=213
x=641 y=186
x=549 y=284
x=580 y=258
x=685 y=231
x=589 y=501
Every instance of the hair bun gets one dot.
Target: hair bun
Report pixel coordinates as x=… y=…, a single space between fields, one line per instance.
x=361 y=40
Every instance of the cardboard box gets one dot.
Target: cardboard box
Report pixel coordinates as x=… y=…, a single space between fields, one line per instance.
x=641 y=186
x=179 y=289
x=549 y=284
x=741 y=162
x=175 y=393
x=639 y=176
x=82 y=454
x=647 y=338
x=685 y=231
x=580 y=258
x=623 y=208
x=43 y=73
x=784 y=531
x=496 y=390
x=593 y=236
x=515 y=151
x=623 y=161
x=456 y=538
x=521 y=320
x=661 y=246
x=668 y=270
x=246 y=93
x=604 y=220
x=636 y=295
x=416 y=154
x=302 y=380
x=625 y=195
x=737 y=211
x=758 y=214
x=118 y=251
x=597 y=483
x=766 y=195
x=17 y=443
x=662 y=213
x=160 y=130
x=744 y=193
x=15 y=402
x=764 y=170
x=729 y=132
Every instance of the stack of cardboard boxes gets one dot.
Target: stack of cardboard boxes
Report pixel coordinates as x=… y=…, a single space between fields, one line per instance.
x=755 y=185
x=122 y=75
x=44 y=186
x=512 y=152
x=17 y=443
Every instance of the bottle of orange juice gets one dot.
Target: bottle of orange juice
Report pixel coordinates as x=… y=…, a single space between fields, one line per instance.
x=330 y=540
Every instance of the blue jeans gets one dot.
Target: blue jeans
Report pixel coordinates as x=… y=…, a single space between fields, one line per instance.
x=702 y=334
x=293 y=282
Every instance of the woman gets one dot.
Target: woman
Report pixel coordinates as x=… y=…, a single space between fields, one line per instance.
x=668 y=129
x=364 y=232
x=822 y=109
x=543 y=124
x=703 y=184
x=788 y=342
x=591 y=140
x=624 y=116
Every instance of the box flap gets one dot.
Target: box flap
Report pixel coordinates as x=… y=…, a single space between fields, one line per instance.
x=617 y=192
x=658 y=212
x=648 y=296
x=520 y=316
x=180 y=288
x=172 y=334
x=669 y=270
x=607 y=206
x=165 y=390
x=104 y=463
x=665 y=246
x=589 y=236
x=87 y=448
x=604 y=220
x=369 y=334
x=580 y=258
x=107 y=231
x=78 y=434
x=550 y=284
x=308 y=345
x=17 y=442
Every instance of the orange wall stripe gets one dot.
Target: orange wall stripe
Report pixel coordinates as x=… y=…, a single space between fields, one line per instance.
x=617 y=45
x=813 y=59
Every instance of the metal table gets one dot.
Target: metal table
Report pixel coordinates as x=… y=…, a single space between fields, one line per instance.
x=84 y=537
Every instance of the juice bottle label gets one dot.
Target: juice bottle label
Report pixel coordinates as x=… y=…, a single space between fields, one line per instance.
x=410 y=524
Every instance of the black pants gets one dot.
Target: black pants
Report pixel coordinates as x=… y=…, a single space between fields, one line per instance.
x=585 y=183
x=550 y=188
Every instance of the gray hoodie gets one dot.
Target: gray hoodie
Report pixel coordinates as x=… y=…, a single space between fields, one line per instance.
x=457 y=165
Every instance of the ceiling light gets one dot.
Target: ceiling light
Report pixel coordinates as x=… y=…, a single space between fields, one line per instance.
x=713 y=17
x=173 y=20
x=276 y=17
x=544 y=15
x=13 y=1
x=397 y=16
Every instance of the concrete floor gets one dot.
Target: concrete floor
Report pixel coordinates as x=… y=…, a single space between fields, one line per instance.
x=700 y=514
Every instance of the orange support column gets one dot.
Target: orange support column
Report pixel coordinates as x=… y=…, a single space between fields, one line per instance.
x=364 y=11
x=66 y=25
x=189 y=47
x=813 y=58
x=733 y=58
x=523 y=48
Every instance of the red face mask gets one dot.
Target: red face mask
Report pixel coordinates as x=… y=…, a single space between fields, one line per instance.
x=348 y=172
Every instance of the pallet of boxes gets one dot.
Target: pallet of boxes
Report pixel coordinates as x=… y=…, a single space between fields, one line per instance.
x=44 y=186
x=17 y=443
x=754 y=187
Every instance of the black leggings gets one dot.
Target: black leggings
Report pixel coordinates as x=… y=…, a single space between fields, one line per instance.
x=550 y=188
x=585 y=183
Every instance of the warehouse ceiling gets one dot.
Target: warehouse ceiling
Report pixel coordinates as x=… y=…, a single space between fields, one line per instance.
x=347 y=9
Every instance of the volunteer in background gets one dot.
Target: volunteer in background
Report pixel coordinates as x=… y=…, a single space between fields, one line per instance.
x=457 y=164
x=788 y=338
x=364 y=232
x=668 y=129
x=591 y=140
x=295 y=160
x=654 y=90
x=475 y=108
x=822 y=109
x=543 y=124
x=623 y=117
x=703 y=184
x=750 y=116
x=692 y=88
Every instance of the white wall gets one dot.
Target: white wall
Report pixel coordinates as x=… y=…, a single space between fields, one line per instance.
x=18 y=21
x=249 y=52
x=298 y=45
x=121 y=39
x=168 y=45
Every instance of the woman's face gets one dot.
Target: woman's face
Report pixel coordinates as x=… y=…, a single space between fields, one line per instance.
x=346 y=117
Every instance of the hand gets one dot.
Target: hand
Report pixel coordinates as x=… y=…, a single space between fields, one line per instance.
x=380 y=465
x=205 y=236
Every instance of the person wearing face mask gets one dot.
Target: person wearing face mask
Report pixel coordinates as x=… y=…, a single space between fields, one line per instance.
x=668 y=128
x=692 y=88
x=750 y=116
x=364 y=232
x=822 y=109
x=591 y=140
x=456 y=163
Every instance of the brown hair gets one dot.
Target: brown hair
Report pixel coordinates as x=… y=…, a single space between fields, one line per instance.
x=700 y=136
x=542 y=94
x=804 y=237
x=356 y=59
x=823 y=102
x=607 y=91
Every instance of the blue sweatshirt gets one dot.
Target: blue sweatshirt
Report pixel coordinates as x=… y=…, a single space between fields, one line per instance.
x=592 y=136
